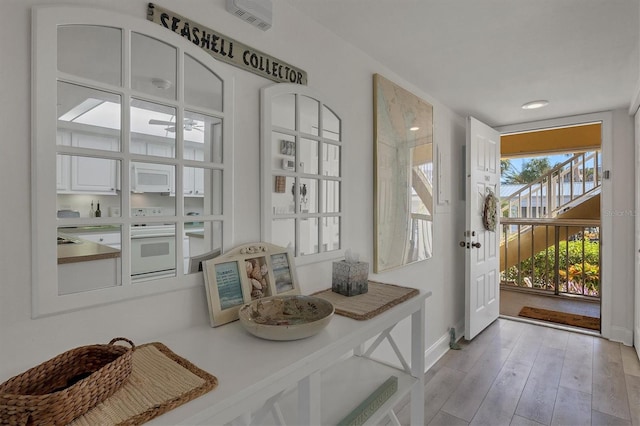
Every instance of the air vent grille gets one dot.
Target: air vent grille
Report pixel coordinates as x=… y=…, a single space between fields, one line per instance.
x=255 y=12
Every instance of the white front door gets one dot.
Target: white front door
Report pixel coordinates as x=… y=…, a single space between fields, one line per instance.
x=636 y=322
x=481 y=246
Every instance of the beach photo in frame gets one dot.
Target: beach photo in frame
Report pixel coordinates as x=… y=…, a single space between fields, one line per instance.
x=281 y=266
x=245 y=273
x=225 y=287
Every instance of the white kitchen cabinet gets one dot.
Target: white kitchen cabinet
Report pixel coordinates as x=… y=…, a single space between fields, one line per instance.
x=96 y=274
x=198 y=182
x=159 y=149
x=94 y=175
x=138 y=147
x=193 y=176
x=63 y=171
x=313 y=381
x=86 y=175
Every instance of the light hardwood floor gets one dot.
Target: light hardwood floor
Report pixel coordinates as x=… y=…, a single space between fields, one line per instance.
x=516 y=373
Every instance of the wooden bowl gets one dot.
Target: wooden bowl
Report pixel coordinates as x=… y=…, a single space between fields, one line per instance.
x=289 y=317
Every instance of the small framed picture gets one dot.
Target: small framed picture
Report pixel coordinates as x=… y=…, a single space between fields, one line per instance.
x=282 y=273
x=227 y=295
x=287 y=147
x=246 y=273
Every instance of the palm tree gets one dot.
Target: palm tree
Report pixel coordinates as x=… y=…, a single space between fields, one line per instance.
x=531 y=170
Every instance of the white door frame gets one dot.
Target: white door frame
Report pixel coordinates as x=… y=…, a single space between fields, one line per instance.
x=606 y=221
x=636 y=284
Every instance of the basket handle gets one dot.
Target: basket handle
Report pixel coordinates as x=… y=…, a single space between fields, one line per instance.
x=124 y=339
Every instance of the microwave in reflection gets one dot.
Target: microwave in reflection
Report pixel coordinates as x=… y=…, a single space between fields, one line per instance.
x=147 y=177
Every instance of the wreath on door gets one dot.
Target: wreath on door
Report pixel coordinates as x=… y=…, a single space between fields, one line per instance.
x=490 y=211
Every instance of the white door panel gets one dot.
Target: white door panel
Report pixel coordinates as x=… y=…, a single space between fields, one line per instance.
x=482 y=260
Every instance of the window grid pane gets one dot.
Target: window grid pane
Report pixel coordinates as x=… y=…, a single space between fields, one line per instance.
x=153 y=133
x=305 y=168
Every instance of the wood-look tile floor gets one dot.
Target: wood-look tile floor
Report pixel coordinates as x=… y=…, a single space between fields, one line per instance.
x=516 y=373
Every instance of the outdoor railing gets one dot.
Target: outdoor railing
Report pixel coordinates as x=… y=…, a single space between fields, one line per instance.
x=556 y=190
x=551 y=255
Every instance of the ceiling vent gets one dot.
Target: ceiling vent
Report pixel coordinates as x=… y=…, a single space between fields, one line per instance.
x=255 y=12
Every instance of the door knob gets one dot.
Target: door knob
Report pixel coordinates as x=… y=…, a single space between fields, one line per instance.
x=476 y=245
x=463 y=244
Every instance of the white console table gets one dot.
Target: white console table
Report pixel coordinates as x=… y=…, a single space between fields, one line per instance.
x=313 y=381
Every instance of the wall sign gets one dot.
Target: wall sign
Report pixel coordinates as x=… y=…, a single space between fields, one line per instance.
x=227 y=49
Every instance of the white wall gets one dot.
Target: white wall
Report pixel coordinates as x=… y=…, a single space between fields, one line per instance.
x=335 y=69
x=622 y=211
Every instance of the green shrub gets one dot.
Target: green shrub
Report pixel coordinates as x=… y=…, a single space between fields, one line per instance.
x=576 y=274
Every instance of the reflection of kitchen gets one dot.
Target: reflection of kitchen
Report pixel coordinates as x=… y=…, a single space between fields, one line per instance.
x=90 y=189
x=94 y=251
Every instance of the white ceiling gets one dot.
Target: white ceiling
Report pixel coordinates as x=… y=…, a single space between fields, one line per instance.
x=486 y=58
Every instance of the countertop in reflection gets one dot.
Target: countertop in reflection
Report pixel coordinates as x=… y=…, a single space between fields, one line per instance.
x=83 y=251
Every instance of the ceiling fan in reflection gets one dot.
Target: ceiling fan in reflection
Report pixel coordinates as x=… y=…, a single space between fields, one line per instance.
x=189 y=125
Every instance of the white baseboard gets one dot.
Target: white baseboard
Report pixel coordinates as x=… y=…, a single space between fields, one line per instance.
x=622 y=335
x=435 y=352
x=439 y=348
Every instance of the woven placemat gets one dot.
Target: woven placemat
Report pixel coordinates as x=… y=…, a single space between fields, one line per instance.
x=160 y=381
x=378 y=299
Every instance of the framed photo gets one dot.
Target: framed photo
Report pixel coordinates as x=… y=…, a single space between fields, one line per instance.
x=227 y=295
x=246 y=273
x=282 y=273
x=287 y=147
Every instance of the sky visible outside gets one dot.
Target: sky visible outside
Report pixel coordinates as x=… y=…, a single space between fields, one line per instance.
x=553 y=160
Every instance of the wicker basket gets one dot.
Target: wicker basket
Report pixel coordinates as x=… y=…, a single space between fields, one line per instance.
x=67 y=386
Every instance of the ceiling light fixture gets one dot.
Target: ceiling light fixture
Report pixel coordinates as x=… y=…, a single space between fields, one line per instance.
x=414 y=129
x=535 y=104
x=161 y=83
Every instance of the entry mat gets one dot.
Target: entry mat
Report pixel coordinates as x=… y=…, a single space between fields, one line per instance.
x=160 y=381
x=378 y=299
x=575 y=320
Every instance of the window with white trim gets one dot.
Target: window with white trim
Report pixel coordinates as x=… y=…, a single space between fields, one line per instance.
x=302 y=181
x=131 y=159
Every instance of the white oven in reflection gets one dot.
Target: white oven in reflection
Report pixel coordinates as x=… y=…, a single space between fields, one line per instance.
x=153 y=256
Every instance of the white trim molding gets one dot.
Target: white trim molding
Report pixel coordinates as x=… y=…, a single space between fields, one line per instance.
x=635 y=99
x=622 y=335
x=441 y=347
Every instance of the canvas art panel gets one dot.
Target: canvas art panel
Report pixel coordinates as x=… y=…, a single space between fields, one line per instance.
x=403 y=176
